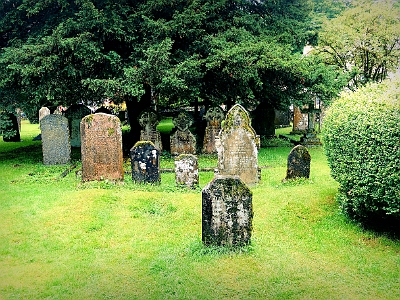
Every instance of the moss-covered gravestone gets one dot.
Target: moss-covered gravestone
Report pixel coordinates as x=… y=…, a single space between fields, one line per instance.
x=237 y=146
x=148 y=119
x=187 y=170
x=101 y=148
x=227 y=212
x=214 y=117
x=74 y=114
x=145 y=162
x=55 y=140
x=183 y=141
x=298 y=163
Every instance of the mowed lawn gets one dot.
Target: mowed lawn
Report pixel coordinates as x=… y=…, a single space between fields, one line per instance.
x=63 y=239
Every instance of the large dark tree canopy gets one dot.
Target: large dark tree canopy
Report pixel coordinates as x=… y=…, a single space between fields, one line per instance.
x=170 y=52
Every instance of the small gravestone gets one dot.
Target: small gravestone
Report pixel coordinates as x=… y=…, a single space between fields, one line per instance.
x=227 y=212
x=74 y=114
x=145 y=162
x=148 y=119
x=44 y=111
x=101 y=148
x=214 y=117
x=187 y=170
x=11 y=125
x=55 y=140
x=298 y=164
x=237 y=147
x=183 y=141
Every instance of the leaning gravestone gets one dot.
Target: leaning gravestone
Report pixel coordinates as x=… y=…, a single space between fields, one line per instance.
x=55 y=140
x=214 y=117
x=44 y=111
x=187 y=170
x=145 y=162
x=227 y=212
x=101 y=148
x=298 y=164
x=237 y=146
x=11 y=125
x=74 y=114
x=183 y=141
x=148 y=119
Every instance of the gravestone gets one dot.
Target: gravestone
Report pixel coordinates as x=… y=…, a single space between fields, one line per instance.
x=12 y=125
x=145 y=162
x=214 y=117
x=148 y=119
x=187 y=170
x=44 y=111
x=74 y=114
x=183 y=141
x=298 y=164
x=101 y=148
x=55 y=140
x=282 y=118
x=237 y=147
x=300 y=121
x=227 y=212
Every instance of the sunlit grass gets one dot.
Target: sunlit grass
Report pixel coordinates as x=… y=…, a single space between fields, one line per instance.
x=63 y=239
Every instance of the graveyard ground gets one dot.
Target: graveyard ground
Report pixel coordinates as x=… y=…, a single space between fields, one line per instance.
x=62 y=239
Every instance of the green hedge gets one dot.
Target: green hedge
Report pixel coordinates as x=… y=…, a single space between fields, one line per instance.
x=362 y=142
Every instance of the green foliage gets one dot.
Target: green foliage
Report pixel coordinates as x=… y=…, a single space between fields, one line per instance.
x=362 y=142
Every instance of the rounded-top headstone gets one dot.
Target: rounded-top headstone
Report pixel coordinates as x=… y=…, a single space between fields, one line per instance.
x=298 y=163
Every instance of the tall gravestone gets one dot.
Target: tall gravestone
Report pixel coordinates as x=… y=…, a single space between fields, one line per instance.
x=11 y=125
x=148 y=119
x=214 y=117
x=145 y=162
x=74 y=114
x=298 y=163
x=44 y=111
x=55 y=140
x=227 y=212
x=183 y=141
x=187 y=170
x=101 y=148
x=237 y=146
x=300 y=121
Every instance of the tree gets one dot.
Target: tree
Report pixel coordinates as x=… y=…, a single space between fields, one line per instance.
x=166 y=53
x=364 y=41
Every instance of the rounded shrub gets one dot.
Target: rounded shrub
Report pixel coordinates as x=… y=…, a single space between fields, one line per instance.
x=362 y=142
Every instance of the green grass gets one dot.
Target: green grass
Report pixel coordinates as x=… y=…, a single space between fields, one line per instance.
x=63 y=239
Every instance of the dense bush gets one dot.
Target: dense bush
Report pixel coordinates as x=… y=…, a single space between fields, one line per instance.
x=362 y=143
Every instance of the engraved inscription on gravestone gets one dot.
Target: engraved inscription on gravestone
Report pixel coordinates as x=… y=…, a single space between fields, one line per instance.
x=227 y=212
x=74 y=114
x=183 y=141
x=214 y=117
x=237 y=146
x=145 y=162
x=55 y=140
x=148 y=119
x=101 y=147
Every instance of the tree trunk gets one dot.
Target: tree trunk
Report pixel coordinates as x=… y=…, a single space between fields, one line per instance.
x=264 y=120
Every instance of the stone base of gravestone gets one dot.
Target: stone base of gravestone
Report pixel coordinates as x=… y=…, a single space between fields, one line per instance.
x=227 y=212
x=183 y=142
x=298 y=164
x=145 y=162
x=55 y=140
x=187 y=170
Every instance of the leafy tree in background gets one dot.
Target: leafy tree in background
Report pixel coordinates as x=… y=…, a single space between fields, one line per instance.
x=364 y=41
x=165 y=53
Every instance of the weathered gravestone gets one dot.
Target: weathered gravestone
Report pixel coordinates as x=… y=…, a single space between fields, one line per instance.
x=298 y=164
x=145 y=162
x=101 y=148
x=183 y=141
x=300 y=121
x=237 y=146
x=55 y=140
x=187 y=170
x=227 y=212
x=74 y=114
x=44 y=111
x=148 y=119
x=214 y=117
x=11 y=124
